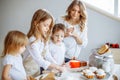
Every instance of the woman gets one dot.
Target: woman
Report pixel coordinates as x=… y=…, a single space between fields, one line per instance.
x=76 y=33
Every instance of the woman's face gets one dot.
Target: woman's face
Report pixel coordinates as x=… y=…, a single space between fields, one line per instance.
x=75 y=12
x=58 y=36
x=44 y=26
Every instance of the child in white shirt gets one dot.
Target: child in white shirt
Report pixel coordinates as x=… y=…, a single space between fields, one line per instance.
x=14 y=45
x=57 y=47
x=37 y=52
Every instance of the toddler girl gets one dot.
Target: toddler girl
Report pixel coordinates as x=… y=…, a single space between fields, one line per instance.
x=57 y=47
x=14 y=45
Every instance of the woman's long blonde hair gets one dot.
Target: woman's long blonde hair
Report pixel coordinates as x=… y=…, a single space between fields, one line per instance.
x=13 y=41
x=40 y=16
x=83 y=15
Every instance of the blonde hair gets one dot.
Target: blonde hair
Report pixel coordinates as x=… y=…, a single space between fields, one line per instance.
x=13 y=41
x=83 y=15
x=40 y=16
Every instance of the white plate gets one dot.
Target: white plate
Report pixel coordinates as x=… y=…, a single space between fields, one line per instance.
x=77 y=69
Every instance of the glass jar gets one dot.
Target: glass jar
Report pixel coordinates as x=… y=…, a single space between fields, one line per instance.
x=108 y=64
x=99 y=61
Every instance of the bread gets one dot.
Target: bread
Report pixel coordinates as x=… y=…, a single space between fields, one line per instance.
x=103 y=49
x=31 y=78
x=100 y=74
x=89 y=75
x=50 y=76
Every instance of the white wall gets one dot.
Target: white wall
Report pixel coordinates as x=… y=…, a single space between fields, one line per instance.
x=101 y=29
x=17 y=14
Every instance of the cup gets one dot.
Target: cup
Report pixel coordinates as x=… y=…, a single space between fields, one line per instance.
x=74 y=64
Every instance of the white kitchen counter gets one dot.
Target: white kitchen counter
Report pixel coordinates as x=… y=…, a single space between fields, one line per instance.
x=70 y=74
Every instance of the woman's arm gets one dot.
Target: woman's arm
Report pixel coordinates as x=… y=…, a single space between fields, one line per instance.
x=77 y=38
x=81 y=39
x=84 y=37
x=5 y=72
x=54 y=66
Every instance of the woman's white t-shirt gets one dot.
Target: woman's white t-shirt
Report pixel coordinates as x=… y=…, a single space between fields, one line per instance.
x=17 y=71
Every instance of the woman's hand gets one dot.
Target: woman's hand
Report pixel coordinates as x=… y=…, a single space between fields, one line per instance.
x=76 y=36
x=69 y=32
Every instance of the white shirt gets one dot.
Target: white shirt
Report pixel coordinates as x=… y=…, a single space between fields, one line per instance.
x=57 y=52
x=17 y=71
x=33 y=58
x=72 y=48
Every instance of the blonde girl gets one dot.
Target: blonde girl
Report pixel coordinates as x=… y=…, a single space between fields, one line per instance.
x=14 y=45
x=76 y=18
x=57 y=47
x=37 y=52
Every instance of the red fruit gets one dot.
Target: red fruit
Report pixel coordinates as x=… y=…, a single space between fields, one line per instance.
x=113 y=46
x=116 y=45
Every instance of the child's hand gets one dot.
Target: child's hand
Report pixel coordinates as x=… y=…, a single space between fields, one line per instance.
x=59 y=68
x=28 y=78
x=63 y=64
x=62 y=69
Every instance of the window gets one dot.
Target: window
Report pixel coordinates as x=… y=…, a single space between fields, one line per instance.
x=110 y=6
x=119 y=8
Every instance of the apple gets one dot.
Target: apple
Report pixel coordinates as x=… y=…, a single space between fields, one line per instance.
x=116 y=45
x=113 y=45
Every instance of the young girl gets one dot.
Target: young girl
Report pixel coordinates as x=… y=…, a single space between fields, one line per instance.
x=57 y=47
x=37 y=52
x=14 y=45
x=76 y=17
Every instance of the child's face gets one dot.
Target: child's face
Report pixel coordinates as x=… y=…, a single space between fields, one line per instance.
x=58 y=36
x=44 y=26
x=22 y=49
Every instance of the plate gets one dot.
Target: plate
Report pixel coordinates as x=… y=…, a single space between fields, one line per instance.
x=77 y=69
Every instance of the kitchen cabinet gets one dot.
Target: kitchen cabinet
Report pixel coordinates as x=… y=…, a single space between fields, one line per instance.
x=116 y=55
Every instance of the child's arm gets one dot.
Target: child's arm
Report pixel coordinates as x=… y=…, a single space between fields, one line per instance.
x=57 y=67
x=5 y=72
x=63 y=64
